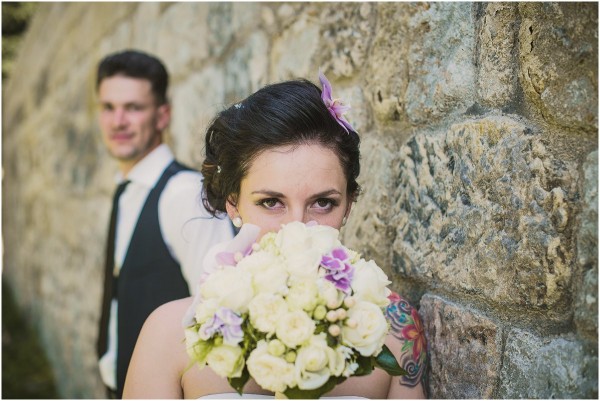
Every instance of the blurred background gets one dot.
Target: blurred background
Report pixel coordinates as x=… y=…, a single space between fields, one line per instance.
x=479 y=128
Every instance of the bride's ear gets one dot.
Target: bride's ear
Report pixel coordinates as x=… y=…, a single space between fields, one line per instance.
x=232 y=210
x=348 y=209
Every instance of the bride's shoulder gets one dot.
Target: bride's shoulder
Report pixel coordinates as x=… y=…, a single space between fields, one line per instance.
x=407 y=338
x=166 y=319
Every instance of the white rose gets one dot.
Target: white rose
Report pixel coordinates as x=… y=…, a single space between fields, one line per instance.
x=226 y=361
x=370 y=283
x=312 y=363
x=270 y=372
x=329 y=294
x=196 y=350
x=266 y=310
x=371 y=329
x=304 y=264
x=231 y=287
x=324 y=238
x=206 y=310
x=303 y=294
x=296 y=237
x=267 y=243
x=272 y=280
x=258 y=261
x=337 y=360
x=294 y=328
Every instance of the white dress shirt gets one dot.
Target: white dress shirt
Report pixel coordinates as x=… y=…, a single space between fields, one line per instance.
x=186 y=227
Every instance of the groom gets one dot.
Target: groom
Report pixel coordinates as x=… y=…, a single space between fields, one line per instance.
x=159 y=231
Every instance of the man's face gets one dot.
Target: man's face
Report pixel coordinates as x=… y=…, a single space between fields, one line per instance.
x=130 y=120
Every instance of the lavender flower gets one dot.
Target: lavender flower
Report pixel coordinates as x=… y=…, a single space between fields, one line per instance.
x=335 y=106
x=226 y=323
x=338 y=269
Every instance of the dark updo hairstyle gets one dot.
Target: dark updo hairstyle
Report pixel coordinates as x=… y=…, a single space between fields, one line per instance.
x=282 y=114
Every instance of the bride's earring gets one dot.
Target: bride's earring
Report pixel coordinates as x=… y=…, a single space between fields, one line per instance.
x=237 y=221
x=344 y=220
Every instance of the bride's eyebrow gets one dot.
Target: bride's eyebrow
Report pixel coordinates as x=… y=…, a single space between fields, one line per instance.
x=275 y=194
x=268 y=193
x=326 y=193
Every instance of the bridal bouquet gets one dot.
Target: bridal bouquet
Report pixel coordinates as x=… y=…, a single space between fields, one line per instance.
x=297 y=311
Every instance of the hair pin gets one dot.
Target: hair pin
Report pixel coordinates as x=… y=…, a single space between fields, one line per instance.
x=335 y=106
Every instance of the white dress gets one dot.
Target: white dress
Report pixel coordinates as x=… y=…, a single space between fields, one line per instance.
x=236 y=396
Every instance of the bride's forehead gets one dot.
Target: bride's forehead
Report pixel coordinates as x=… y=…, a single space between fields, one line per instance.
x=302 y=169
x=297 y=157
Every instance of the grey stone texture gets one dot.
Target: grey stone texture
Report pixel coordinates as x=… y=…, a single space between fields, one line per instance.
x=478 y=124
x=557 y=377
x=465 y=350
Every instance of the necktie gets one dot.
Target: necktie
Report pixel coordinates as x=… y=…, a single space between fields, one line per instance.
x=108 y=272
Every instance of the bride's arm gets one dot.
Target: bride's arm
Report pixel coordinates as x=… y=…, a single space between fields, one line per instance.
x=407 y=342
x=159 y=358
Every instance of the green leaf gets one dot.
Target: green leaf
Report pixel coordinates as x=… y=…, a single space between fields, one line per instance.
x=365 y=365
x=238 y=383
x=386 y=361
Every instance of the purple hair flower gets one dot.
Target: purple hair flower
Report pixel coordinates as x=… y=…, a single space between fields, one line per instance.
x=338 y=269
x=226 y=323
x=335 y=106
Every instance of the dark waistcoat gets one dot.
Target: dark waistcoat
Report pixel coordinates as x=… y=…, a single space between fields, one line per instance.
x=148 y=278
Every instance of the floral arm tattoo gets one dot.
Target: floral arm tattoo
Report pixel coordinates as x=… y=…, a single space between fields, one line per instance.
x=407 y=327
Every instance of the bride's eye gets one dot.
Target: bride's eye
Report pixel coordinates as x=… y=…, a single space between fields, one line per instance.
x=270 y=203
x=325 y=204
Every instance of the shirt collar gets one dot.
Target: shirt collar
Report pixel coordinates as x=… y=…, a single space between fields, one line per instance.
x=147 y=171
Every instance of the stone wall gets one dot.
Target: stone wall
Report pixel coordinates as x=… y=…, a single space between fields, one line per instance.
x=479 y=127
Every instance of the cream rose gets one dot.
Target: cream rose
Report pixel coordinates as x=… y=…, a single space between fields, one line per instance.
x=371 y=329
x=295 y=238
x=312 y=363
x=266 y=310
x=304 y=264
x=329 y=294
x=370 y=283
x=303 y=294
x=337 y=359
x=231 y=287
x=226 y=361
x=195 y=349
x=272 y=280
x=260 y=260
x=295 y=328
x=270 y=372
x=206 y=310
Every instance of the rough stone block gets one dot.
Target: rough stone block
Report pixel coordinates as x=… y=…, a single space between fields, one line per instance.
x=559 y=367
x=497 y=77
x=367 y=230
x=440 y=62
x=559 y=62
x=191 y=36
x=586 y=290
x=203 y=94
x=485 y=209
x=465 y=350
x=346 y=34
x=293 y=49
x=387 y=77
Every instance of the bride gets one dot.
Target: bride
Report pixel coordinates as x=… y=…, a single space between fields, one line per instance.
x=284 y=154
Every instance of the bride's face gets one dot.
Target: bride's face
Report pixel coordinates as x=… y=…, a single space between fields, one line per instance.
x=286 y=184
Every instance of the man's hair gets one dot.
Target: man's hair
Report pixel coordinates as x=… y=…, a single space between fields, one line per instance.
x=136 y=64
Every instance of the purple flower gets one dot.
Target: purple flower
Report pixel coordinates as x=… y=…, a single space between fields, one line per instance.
x=338 y=269
x=228 y=258
x=226 y=323
x=335 y=106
